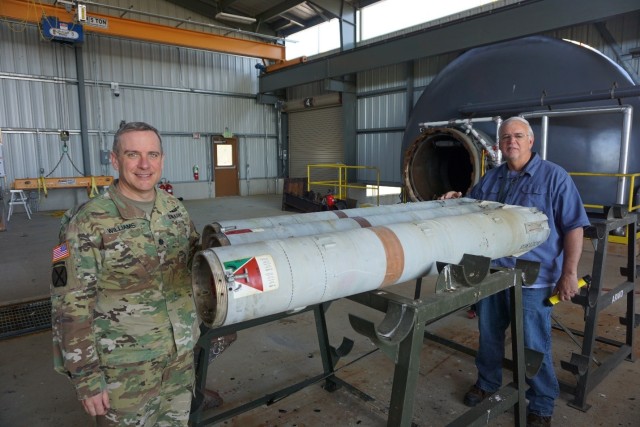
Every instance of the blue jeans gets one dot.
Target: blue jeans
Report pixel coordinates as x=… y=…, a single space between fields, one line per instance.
x=493 y=319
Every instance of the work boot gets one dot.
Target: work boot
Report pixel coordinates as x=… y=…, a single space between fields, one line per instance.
x=535 y=420
x=475 y=395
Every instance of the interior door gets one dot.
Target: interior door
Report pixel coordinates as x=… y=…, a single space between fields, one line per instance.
x=225 y=166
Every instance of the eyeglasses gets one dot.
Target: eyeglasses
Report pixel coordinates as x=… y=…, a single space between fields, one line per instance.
x=516 y=136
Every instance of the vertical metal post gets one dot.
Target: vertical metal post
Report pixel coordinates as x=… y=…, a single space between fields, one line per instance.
x=405 y=375
x=630 y=321
x=517 y=347
x=323 y=341
x=82 y=108
x=201 y=369
x=623 y=165
x=544 y=136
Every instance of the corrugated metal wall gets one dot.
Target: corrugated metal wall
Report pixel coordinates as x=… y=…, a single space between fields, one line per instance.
x=183 y=92
x=381 y=118
x=186 y=91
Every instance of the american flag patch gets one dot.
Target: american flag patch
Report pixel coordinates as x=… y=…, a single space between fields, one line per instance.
x=60 y=252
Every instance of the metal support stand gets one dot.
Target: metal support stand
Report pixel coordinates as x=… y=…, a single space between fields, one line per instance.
x=401 y=336
x=328 y=354
x=596 y=299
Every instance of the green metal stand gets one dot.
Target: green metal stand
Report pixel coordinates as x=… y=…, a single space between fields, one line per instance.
x=329 y=355
x=401 y=336
x=594 y=300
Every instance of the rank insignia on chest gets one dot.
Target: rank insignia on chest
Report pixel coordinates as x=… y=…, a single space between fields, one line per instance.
x=60 y=252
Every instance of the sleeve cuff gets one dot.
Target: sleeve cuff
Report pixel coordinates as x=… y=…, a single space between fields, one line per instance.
x=89 y=385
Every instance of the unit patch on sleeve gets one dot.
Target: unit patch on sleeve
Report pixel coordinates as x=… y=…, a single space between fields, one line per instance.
x=59 y=275
x=60 y=252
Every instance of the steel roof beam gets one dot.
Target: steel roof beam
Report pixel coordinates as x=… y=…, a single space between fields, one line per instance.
x=526 y=18
x=278 y=9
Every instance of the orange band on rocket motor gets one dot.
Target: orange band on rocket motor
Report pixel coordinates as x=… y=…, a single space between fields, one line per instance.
x=393 y=253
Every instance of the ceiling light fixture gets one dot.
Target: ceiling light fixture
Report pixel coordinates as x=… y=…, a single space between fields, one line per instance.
x=235 y=18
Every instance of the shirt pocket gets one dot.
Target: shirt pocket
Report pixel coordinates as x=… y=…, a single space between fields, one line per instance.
x=174 y=250
x=533 y=195
x=491 y=191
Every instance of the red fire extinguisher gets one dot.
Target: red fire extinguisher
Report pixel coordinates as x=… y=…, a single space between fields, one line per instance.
x=331 y=201
x=163 y=184
x=168 y=188
x=196 y=172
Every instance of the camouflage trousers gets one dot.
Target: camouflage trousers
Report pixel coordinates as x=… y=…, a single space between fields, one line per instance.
x=153 y=393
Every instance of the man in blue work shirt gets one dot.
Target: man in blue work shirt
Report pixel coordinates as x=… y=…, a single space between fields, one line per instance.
x=527 y=180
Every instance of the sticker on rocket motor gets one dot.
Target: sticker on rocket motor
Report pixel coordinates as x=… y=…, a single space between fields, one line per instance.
x=244 y=230
x=252 y=275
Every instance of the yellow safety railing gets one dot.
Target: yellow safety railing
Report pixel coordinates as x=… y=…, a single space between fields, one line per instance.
x=339 y=181
x=629 y=188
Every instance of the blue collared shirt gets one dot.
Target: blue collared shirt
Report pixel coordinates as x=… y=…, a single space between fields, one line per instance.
x=548 y=187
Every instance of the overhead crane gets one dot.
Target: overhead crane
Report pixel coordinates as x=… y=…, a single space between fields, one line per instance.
x=25 y=11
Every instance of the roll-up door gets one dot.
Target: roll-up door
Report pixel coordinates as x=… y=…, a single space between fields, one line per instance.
x=315 y=136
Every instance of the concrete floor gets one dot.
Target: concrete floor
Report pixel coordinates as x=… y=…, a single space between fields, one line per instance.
x=275 y=355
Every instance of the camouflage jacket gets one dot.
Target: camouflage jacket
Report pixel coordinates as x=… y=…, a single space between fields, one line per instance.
x=121 y=288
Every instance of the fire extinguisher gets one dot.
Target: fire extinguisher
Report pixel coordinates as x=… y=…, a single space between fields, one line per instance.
x=331 y=201
x=163 y=184
x=196 y=172
x=168 y=188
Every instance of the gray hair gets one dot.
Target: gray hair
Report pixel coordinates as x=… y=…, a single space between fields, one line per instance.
x=517 y=119
x=133 y=127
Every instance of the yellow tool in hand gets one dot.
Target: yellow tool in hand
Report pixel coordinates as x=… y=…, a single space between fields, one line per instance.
x=554 y=299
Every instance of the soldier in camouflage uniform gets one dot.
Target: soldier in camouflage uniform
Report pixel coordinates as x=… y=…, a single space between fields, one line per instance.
x=124 y=322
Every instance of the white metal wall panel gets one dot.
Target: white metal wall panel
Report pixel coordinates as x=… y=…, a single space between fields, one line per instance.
x=382 y=78
x=181 y=91
x=24 y=52
x=383 y=150
x=427 y=69
x=315 y=136
x=181 y=154
x=130 y=62
x=25 y=154
x=254 y=158
x=376 y=112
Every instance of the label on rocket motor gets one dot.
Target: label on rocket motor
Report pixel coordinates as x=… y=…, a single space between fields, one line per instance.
x=244 y=230
x=253 y=275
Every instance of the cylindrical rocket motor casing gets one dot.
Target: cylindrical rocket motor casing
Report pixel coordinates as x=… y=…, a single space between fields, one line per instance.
x=211 y=239
x=235 y=226
x=242 y=282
